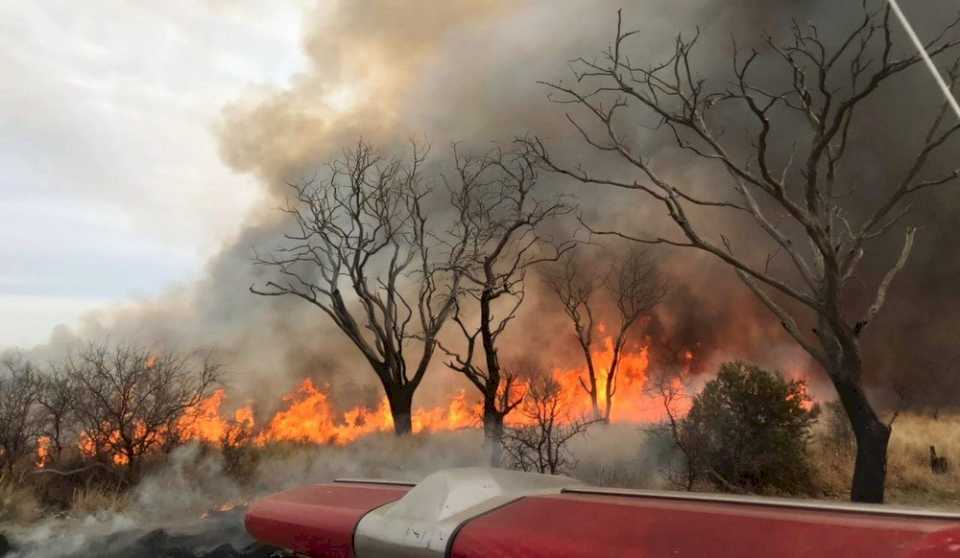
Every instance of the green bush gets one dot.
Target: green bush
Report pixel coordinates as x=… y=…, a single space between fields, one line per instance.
x=748 y=431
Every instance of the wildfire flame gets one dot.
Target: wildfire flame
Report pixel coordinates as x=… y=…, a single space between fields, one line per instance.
x=43 y=451
x=204 y=422
x=90 y=448
x=307 y=415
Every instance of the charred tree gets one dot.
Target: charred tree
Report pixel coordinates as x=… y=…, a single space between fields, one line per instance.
x=19 y=421
x=357 y=236
x=499 y=224
x=541 y=444
x=56 y=398
x=128 y=398
x=635 y=287
x=670 y=390
x=576 y=288
x=794 y=185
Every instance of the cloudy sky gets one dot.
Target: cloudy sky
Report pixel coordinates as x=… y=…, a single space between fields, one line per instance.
x=111 y=187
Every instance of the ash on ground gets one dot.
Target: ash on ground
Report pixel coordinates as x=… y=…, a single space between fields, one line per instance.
x=219 y=535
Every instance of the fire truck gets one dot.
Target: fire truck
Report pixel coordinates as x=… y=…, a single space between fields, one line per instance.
x=496 y=513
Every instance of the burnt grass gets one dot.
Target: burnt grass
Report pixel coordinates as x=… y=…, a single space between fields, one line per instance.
x=220 y=535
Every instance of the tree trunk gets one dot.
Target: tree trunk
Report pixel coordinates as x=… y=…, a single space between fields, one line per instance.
x=872 y=435
x=607 y=410
x=133 y=465
x=492 y=416
x=594 y=402
x=401 y=404
x=612 y=376
x=592 y=376
x=493 y=431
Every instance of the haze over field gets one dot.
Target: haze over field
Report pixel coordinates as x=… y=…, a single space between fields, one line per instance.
x=236 y=235
x=147 y=151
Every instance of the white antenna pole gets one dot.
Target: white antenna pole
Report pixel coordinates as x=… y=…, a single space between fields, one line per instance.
x=926 y=58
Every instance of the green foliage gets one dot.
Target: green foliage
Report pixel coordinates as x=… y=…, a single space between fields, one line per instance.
x=748 y=430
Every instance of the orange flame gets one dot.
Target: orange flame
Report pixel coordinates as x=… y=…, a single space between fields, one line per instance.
x=203 y=422
x=43 y=451
x=630 y=402
x=309 y=417
x=90 y=448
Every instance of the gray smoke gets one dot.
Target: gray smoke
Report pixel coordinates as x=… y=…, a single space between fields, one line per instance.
x=194 y=501
x=467 y=71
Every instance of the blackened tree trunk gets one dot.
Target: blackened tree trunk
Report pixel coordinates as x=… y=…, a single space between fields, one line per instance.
x=365 y=228
x=634 y=285
x=871 y=433
x=401 y=409
x=497 y=390
x=794 y=187
x=498 y=225
x=492 y=414
x=493 y=419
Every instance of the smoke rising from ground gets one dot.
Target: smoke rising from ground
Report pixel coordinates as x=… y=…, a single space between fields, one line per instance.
x=467 y=72
x=189 y=495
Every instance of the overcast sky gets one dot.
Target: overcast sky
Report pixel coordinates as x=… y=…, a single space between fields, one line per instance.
x=110 y=183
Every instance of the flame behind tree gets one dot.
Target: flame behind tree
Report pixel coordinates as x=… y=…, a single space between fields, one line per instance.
x=794 y=186
x=365 y=225
x=129 y=399
x=57 y=399
x=636 y=288
x=499 y=222
x=540 y=442
x=308 y=416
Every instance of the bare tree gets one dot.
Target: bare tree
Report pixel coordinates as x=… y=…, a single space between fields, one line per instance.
x=499 y=223
x=635 y=286
x=364 y=227
x=19 y=423
x=540 y=442
x=129 y=397
x=575 y=287
x=57 y=397
x=798 y=195
x=669 y=389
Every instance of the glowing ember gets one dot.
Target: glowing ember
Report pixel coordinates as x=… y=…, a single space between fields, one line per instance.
x=90 y=448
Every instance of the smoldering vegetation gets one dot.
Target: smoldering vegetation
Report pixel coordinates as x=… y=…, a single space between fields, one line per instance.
x=194 y=501
x=467 y=72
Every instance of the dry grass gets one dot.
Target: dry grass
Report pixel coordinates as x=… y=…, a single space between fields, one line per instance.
x=910 y=481
x=97 y=499
x=909 y=478
x=613 y=455
x=18 y=503
x=621 y=455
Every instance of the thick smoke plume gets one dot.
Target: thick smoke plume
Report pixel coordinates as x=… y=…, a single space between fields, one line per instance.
x=466 y=72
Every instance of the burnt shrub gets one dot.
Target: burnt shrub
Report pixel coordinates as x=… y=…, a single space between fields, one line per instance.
x=748 y=431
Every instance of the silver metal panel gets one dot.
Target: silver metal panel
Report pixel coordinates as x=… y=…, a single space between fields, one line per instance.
x=820 y=505
x=375 y=481
x=421 y=524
